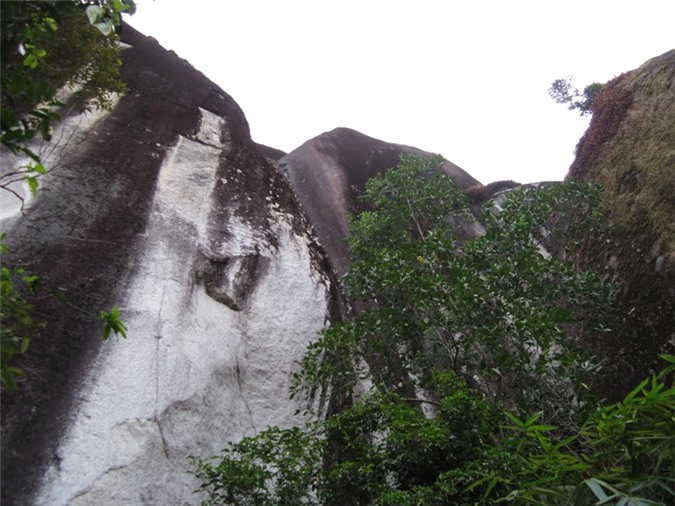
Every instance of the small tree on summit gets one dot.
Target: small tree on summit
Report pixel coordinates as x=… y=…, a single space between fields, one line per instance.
x=563 y=92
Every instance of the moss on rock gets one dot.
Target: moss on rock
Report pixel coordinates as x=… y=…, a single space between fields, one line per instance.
x=629 y=148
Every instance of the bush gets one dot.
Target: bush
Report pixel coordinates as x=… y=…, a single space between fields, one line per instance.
x=450 y=333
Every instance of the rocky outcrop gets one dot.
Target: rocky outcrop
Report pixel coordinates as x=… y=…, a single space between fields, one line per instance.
x=329 y=172
x=629 y=148
x=166 y=209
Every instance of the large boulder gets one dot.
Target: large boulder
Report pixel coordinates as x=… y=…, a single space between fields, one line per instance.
x=329 y=172
x=629 y=148
x=165 y=208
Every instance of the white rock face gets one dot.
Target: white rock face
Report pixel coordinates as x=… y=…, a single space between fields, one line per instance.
x=201 y=366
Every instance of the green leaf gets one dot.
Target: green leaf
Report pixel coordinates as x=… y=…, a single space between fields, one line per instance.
x=32 y=282
x=670 y=359
x=31 y=155
x=95 y=13
x=596 y=488
x=112 y=323
x=30 y=61
x=37 y=167
x=515 y=420
x=542 y=428
x=105 y=27
x=51 y=23
x=636 y=390
x=533 y=419
x=32 y=184
x=565 y=442
x=119 y=5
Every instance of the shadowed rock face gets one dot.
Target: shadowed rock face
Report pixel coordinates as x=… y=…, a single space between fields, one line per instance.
x=330 y=171
x=164 y=208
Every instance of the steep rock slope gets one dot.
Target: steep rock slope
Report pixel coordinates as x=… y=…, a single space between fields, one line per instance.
x=329 y=171
x=166 y=209
x=629 y=148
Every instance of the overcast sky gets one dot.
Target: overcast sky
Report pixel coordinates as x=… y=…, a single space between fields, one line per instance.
x=466 y=79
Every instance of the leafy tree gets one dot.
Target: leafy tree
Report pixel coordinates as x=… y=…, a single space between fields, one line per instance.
x=277 y=467
x=564 y=92
x=624 y=453
x=392 y=454
x=461 y=338
x=47 y=46
x=492 y=309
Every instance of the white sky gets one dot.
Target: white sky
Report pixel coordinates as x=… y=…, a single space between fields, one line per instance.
x=466 y=79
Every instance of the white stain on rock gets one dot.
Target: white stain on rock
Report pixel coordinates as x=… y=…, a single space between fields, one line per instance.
x=193 y=373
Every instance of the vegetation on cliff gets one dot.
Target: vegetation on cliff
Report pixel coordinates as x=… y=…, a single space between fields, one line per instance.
x=46 y=47
x=564 y=92
x=628 y=149
x=467 y=375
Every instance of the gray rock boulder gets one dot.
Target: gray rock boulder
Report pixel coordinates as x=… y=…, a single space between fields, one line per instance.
x=166 y=209
x=330 y=171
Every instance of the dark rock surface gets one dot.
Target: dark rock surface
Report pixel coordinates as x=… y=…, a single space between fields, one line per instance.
x=272 y=154
x=329 y=172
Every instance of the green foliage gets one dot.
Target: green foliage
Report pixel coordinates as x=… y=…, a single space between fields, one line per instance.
x=387 y=450
x=105 y=16
x=624 y=454
x=46 y=46
x=452 y=330
x=16 y=318
x=563 y=92
x=112 y=323
x=383 y=450
x=493 y=309
x=275 y=468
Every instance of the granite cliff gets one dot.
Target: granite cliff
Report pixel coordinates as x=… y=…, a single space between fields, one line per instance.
x=165 y=208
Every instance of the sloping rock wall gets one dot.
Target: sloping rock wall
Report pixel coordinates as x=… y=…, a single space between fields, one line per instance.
x=629 y=148
x=329 y=172
x=166 y=209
